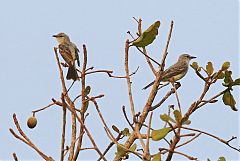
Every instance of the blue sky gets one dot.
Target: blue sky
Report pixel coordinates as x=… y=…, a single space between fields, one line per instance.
x=29 y=75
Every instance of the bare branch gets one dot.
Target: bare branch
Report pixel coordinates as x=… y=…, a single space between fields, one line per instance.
x=26 y=140
x=147 y=56
x=109 y=73
x=130 y=92
x=125 y=115
x=213 y=98
x=146 y=155
x=213 y=136
x=83 y=82
x=149 y=62
x=165 y=97
x=15 y=157
x=128 y=79
x=166 y=47
x=180 y=153
x=64 y=115
x=35 y=111
x=110 y=145
x=178 y=101
x=189 y=140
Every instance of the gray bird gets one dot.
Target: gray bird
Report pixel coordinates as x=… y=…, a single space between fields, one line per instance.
x=176 y=71
x=69 y=53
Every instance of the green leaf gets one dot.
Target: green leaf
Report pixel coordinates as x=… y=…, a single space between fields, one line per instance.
x=121 y=150
x=87 y=90
x=225 y=65
x=85 y=106
x=159 y=134
x=115 y=128
x=236 y=82
x=187 y=122
x=184 y=119
x=125 y=132
x=229 y=100
x=195 y=66
x=133 y=147
x=148 y=36
x=221 y=159
x=228 y=79
x=178 y=116
x=157 y=157
x=166 y=118
x=209 y=68
x=208 y=160
x=221 y=75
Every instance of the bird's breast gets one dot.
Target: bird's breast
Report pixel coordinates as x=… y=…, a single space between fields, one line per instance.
x=179 y=76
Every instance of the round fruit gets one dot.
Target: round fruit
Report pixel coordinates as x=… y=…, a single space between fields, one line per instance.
x=32 y=122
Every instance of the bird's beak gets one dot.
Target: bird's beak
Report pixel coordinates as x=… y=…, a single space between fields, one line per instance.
x=193 y=57
x=54 y=35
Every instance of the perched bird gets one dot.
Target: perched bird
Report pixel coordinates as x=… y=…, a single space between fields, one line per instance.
x=69 y=52
x=176 y=71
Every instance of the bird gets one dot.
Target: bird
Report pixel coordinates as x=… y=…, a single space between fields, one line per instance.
x=69 y=53
x=177 y=71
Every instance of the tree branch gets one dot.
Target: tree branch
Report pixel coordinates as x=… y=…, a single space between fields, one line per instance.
x=26 y=140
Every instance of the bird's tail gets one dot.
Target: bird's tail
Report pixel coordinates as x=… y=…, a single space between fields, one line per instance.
x=72 y=73
x=149 y=85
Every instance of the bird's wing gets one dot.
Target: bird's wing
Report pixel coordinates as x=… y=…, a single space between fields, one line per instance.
x=174 y=70
x=76 y=54
x=66 y=53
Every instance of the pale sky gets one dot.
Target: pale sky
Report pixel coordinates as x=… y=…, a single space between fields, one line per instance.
x=30 y=77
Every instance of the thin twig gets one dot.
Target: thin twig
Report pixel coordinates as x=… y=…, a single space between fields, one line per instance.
x=101 y=117
x=146 y=155
x=165 y=98
x=110 y=145
x=178 y=101
x=213 y=98
x=80 y=138
x=213 y=136
x=15 y=157
x=173 y=129
x=109 y=73
x=149 y=62
x=166 y=47
x=180 y=153
x=130 y=91
x=174 y=142
x=187 y=135
x=87 y=149
x=26 y=140
x=189 y=140
x=125 y=115
x=64 y=115
x=147 y=56
x=128 y=79
x=35 y=111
